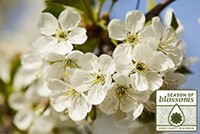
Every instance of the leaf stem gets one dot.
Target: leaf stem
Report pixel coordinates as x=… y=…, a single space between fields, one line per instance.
x=157 y=9
x=86 y=127
x=137 y=4
x=99 y=10
x=111 y=6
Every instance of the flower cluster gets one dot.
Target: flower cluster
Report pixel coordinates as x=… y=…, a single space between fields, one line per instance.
x=63 y=80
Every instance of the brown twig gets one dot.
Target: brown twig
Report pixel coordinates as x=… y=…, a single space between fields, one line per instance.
x=157 y=9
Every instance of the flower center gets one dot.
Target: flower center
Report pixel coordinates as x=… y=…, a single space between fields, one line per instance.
x=161 y=45
x=132 y=38
x=98 y=78
x=71 y=63
x=61 y=35
x=71 y=92
x=139 y=67
x=121 y=90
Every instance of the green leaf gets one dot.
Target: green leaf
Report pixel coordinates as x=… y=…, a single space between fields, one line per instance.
x=114 y=42
x=151 y=4
x=102 y=1
x=82 y=5
x=184 y=70
x=88 y=46
x=2 y=86
x=92 y=114
x=16 y=63
x=174 y=22
x=54 y=9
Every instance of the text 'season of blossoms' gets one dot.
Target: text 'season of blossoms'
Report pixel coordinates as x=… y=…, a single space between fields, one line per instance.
x=67 y=86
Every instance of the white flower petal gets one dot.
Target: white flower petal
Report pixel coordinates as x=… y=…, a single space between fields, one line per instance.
x=53 y=57
x=75 y=55
x=107 y=64
x=31 y=59
x=43 y=43
x=122 y=49
x=79 y=108
x=42 y=88
x=161 y=62
x=116 y=30
x=29 y=74
x=180 y=28
x=122 y=79
x=134 y=21
x=96 y=94
x=47 y=24
x=57 y=85
x=62 y=48
x=57 y=71
x=176 y=55
x=37 y=128
x=140 y=96
x=141 y=82
x=137 y=111
x=168 y=18
x=87 y=60
x=111 y=102
x=81 y=80
x=157 y=27
x=23 y=119
x=142 y=53
x=123 y=64
x=77 y=35
x=173 y=80
x=148 y=38
x=169 y=34
x=59 y=101
x=127 y=104
x=80 y=59
x=69 y=19
x=155 y=81
x=17 y=101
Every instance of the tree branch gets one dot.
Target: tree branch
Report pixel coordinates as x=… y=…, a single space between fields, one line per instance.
x=137 y=4
x=157 y=9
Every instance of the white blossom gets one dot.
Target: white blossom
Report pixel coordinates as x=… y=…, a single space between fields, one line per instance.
x=65 y=96
x=129 y=32
x=63 y=66
x=172 y=80
x=168 y=19
x=36 y=127
x=95 y=77
x=59 y=35
x=144 y=66
x=28 y=106
x=164 y=40
x=123 y=95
